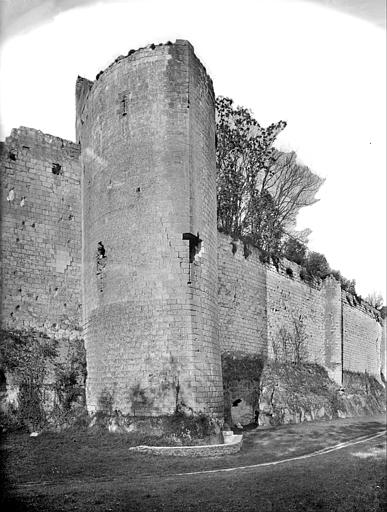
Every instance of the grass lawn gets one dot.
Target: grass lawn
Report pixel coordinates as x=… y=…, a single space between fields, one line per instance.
x=95 y=471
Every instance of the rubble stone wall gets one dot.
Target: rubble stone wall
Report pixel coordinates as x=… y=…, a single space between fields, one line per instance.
x=40 y=233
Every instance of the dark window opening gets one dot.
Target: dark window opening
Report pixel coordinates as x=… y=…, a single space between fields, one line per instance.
x=100 y=250
x=57 y=169
x=12 y=155
x=194 y=248
x=194 y=245
x=124 y=105
x=101 y=265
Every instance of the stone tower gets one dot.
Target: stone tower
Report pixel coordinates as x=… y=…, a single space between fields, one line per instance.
x=147 y=132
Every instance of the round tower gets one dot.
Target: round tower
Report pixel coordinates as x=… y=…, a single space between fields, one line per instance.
x=147 y=132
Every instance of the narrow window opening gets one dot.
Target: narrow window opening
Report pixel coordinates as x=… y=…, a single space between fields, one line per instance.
x=195 y=244
x=57 y=169
x=100 y=250
x=101 y=265
x=124 y=105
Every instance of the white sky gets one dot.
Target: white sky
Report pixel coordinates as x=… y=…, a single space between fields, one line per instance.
x=322 y=71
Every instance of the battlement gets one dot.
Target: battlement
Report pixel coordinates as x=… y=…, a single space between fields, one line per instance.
x=85 y=86
x=148 y=51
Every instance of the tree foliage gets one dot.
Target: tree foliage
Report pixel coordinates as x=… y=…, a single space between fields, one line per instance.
x=26 y=353
x=375 y=300
x=317 y=265
x=259 y=189
x=294 y=250
x=349 y=285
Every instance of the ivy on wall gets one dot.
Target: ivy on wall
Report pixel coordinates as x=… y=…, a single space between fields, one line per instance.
x=32 y=359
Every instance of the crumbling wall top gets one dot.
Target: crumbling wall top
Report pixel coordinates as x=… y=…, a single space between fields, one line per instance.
x=144 y=52
x=25 y=135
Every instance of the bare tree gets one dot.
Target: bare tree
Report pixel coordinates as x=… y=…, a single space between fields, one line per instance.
x=243 y=150
x=260 y=190
x=375 y=300
x=291 y=185
x=290 y=345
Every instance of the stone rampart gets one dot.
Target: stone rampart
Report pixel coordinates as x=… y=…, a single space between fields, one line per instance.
x=40 y=233
x=362 y=337
x=261 y=305
x=120 y=240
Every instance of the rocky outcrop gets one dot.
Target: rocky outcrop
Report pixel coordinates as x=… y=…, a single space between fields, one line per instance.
x=293 y=393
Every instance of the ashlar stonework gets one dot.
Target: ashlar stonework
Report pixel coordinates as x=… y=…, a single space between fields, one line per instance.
x=115 y=236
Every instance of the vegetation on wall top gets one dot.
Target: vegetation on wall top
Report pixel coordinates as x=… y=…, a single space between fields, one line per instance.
x=260 y=192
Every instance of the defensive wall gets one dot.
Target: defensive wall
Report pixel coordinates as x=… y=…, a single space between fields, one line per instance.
x=119 y=241
x=259 y=303
x=40 y=233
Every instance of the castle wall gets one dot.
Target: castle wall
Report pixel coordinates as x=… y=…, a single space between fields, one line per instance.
x=242 y=292
x=383 y=352
x=159 y=293
x=293 y=304
x=147 y=130
x=260 y=305
x=40 y=234
x=362 y=338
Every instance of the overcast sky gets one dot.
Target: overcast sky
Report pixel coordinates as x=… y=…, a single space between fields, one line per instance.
x=319 y=65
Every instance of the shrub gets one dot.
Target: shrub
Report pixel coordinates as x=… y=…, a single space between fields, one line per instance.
x=317 y=265
x=290 y=345
x=295 y=251
x=30 y=356
x=242 y=366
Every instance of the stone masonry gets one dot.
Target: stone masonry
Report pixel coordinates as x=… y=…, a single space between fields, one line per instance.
x=40 y=233
x=257 y=300
x=115 y=236
x=147 y=132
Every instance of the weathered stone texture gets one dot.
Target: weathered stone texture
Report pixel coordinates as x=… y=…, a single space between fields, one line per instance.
x=242 y=293
x=147 y=130
x=164 y=294
x=383 y=343
x=40 y=233
x=362 y=338
x=258 y=302
x=290 y=301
